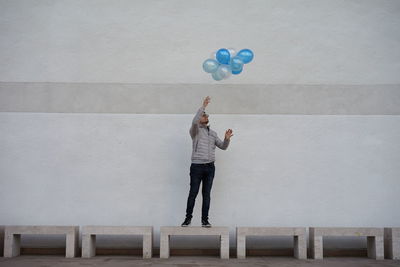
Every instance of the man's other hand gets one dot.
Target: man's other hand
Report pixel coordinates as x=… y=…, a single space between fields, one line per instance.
x=228 y=134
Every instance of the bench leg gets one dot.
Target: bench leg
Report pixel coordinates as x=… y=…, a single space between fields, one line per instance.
x=224 y=249
x=240 y=246
x=164 y=246
x=316 y=245
x=300 y=247
x=375 y=247
x=12 y=245
x=388 y=243
x=391 y=244
x=147 y=246
x=395 y=250
x=88 y=245
x=71 y=245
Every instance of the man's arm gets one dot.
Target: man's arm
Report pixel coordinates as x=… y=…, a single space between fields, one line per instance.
x=222 y=145
x=195 y=123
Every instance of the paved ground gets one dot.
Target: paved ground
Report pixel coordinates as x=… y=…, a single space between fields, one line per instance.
x=185 y=261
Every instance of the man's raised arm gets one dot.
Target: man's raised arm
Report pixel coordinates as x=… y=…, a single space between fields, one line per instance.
x=195 y=123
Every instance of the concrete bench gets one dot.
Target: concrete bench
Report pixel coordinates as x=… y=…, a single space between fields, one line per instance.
x=167 y=231
x=374 y=239
x=392 y=243
x=298 y=233
x=89 y=237
x=12 y=237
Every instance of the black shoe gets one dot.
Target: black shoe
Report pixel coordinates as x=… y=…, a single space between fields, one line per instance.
x=186 y=223
x=205 y=223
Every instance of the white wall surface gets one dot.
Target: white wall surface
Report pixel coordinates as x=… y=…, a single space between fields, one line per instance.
x=125 y=169
x=302 y=42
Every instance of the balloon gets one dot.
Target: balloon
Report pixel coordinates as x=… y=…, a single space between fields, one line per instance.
x=232 y=51
x=224 y=71
x=213 y=55
x=236 y=63
x=210 y=65
x=226 y=61
x=246 y=55
x=223 y=56
x=216 y=76
x=236 y=72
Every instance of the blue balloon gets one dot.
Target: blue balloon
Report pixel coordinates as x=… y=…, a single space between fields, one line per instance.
x=217 y=76
x=236 y=63
x=236 y=72
x=246 y=55
x=210 y=65
x=223 y=56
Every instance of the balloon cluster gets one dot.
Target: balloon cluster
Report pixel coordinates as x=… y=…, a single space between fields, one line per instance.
x=226 y=62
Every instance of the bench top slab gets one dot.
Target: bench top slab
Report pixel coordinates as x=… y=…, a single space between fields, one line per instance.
x=195 y=230
x=41 y=229
x=271 y=231
x=116 y=230
x=347 y=231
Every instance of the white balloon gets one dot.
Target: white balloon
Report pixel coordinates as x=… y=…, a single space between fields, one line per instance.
x=223 y=71
x=213 y=55
x=216 y=76
x=232 y=51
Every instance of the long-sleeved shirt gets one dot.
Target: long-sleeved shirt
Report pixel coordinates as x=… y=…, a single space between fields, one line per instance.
x=204 y=140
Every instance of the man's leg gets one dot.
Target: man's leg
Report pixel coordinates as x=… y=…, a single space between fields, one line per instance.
x=206 y=191
x=195 y=180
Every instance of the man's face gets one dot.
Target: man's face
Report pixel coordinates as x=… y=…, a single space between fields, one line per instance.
x=204 y=119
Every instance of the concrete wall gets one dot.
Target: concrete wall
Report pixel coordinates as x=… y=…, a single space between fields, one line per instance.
x=303 y=42
x=96 y=99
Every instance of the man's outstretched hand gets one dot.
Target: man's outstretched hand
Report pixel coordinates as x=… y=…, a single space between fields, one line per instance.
x=228 y=134
x=206 y=101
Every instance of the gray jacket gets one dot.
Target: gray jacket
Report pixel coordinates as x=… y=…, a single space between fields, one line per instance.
x=204 y=140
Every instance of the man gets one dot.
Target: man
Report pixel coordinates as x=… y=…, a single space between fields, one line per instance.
x=202 y=168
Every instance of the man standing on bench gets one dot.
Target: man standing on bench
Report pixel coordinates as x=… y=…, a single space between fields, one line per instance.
x=202 y=168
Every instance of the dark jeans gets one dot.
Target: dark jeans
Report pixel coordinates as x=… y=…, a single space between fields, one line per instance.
x=200 y=173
